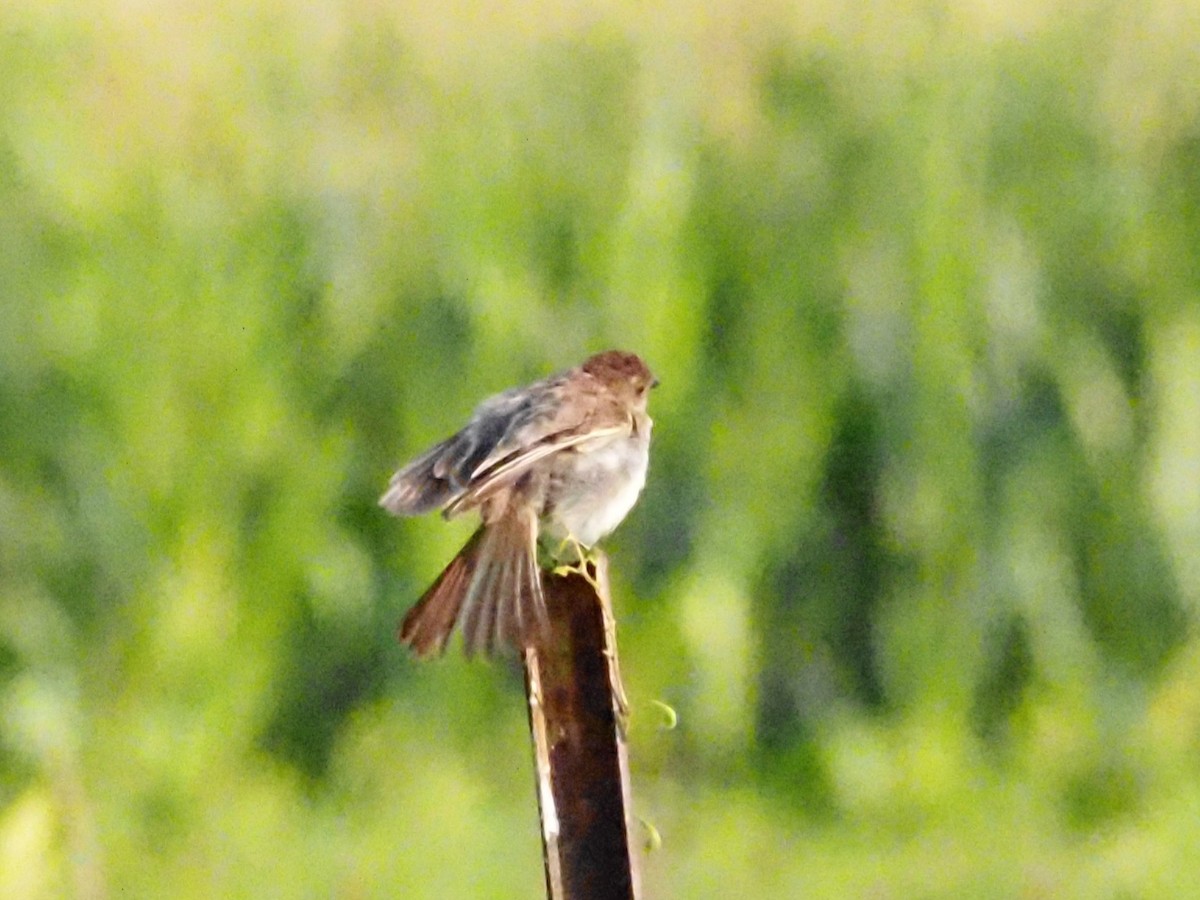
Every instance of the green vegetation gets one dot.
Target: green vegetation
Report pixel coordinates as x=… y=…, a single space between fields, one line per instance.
x=919 y=562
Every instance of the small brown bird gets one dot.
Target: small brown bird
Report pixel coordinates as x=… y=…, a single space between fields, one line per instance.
x=565 y=457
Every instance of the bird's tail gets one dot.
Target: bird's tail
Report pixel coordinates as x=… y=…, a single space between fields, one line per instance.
x=493 y=585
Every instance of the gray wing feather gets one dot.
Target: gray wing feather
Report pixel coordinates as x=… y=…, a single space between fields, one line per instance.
x=503 y=430
x=418 y=488
x=511 y=468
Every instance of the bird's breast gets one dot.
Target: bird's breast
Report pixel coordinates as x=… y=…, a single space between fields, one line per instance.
x=595 y=487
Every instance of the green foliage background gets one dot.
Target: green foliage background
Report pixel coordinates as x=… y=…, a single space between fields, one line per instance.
x=918 y=561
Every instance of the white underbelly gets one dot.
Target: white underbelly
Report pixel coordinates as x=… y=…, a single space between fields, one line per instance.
x=602 y=486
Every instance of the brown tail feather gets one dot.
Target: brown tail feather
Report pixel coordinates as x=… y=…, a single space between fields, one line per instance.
x=427 y=626
x=493 y=585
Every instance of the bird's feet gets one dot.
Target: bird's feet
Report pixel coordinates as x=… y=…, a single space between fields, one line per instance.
x=585 y=565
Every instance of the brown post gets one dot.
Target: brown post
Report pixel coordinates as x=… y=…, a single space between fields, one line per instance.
x=576 y=713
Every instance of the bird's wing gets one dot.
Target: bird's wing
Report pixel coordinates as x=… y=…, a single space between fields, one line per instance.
x=414 y=489
x=504 y=424
x=443 y=473
x=500 y=428
x=509 y=469
x=507 y=434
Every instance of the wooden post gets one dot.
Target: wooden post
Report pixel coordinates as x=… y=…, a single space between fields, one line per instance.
x=576 y=713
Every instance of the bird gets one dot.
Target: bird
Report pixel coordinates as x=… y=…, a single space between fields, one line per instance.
x=561 y=459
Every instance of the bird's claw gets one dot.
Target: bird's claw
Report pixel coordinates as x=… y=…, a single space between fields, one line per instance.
x=584 y=566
